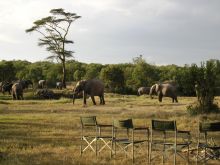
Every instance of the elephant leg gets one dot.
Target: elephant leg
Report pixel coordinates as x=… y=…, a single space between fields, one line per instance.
x=160 y=98
x=93 y=100
x=103 y=100
x=176 y=100
x=84 y=99
x=100 y=97
x=14 y=97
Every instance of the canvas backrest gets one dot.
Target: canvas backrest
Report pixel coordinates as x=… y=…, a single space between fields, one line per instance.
x=126 y=124
x=162 y=125
x=209 y=127
x=88 y=121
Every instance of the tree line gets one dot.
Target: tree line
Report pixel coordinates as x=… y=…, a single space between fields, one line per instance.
x=124 y=78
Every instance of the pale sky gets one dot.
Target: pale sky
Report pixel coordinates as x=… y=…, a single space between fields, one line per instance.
x=115 y=31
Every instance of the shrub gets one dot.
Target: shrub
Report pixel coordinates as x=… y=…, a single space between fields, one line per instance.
x=197 y=109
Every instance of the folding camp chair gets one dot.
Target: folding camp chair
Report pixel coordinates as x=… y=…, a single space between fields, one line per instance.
x=208 y=147
x=123 y=137
x=92 y=135
x=165 y=138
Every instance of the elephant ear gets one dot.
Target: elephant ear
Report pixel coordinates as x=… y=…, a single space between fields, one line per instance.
x=158 y=87
x=79 y=86
x=82 y=83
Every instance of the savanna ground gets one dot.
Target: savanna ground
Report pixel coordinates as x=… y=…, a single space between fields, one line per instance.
x=34 y=132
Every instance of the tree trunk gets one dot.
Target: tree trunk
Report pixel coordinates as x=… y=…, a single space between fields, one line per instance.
x=64 y=74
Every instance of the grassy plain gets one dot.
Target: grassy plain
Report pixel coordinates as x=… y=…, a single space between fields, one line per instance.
x=47 y=132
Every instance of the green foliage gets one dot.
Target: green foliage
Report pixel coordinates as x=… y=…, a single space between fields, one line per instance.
x=205 y=86
x=114 y=79
x=7 y=71
x=121 y=78
x=196 y=109
x=143 y=75
x=92 y=71
x=35 y=73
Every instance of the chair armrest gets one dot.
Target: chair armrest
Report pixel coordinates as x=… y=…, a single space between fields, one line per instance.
x=184 y=132
x=141 y=128
x=104 y=125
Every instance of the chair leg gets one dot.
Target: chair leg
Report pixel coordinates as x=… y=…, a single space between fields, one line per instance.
x=81 y=147
x=188 y=154
x=175 y=157
x=149 y=156
x=163 y=154
x=96 y=148
x=133 y=153
x=148 y=146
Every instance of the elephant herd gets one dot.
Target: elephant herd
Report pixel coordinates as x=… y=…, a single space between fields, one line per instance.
x=95 y=87
x=165 y=89
x=16 y=88
x=92 y=88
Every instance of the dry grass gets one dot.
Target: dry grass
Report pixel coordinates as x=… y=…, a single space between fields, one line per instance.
x=48 y=132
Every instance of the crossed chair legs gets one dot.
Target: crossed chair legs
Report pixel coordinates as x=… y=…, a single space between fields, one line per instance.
x=96 y=144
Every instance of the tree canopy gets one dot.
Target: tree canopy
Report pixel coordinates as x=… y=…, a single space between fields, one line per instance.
x=54 y=30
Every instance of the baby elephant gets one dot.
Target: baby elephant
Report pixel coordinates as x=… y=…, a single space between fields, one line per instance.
x=59 y=85
x=143 y=90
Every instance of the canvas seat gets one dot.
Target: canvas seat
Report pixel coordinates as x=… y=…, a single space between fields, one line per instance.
x=166 y=140
x=126 y=141
x=208 y=146
x=93 y=136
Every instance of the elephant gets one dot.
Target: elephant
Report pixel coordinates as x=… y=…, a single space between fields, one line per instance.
x=26 y=83
x=164 y=90
x=143 y=90
x=45 y=94
x=59 y=85
x=42 y=84
x=17 y=91
x=92 y=87
x=7 y=87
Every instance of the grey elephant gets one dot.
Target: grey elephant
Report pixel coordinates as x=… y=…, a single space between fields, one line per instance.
x=26 y=83
x=143 y=90
x=164 y=90
x=42 y=84
x=45 y=94
x=17 y=91
x=93 y=87
x=7 y=88
x=59 y=85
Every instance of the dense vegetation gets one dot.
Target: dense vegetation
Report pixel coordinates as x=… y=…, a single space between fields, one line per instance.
x=120 y=78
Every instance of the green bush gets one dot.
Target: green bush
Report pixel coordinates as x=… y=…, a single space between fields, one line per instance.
x=197 y=109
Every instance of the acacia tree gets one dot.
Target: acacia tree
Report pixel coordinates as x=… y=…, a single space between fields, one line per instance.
x=54 y=30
